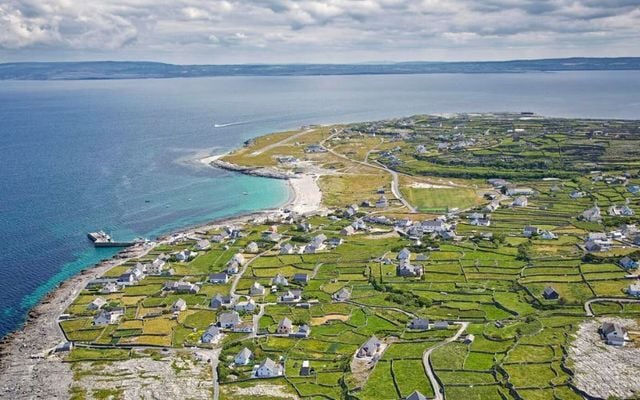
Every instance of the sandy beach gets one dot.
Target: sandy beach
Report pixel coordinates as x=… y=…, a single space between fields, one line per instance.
x=28 y=368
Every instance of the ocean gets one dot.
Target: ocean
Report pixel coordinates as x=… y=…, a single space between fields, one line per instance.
x=79 y=156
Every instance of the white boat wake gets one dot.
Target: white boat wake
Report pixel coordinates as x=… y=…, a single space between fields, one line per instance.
x=229 y=124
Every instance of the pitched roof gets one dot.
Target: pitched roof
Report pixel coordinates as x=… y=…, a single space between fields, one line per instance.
x=268 y=363
x=285 y=323
x=416 y=396
x=244 y=353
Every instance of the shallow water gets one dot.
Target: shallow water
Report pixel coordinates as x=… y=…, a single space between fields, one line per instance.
x=118 y=155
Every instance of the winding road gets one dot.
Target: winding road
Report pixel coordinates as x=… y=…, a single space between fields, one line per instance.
x=426 y=360
x=395 y=185
x=587 y=305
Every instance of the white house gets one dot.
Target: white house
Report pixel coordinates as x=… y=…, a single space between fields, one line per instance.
x=256 y=289
x=268 y=369
x=245 y=306
x=186 y=255
x=404 y=254
x=280 y=280
x=287 y=248
x=520 y=201
x=285 y=326
x=343 y=294
x=211 y=335
x=229 y=319
x=203 y=245
x=348 y=230
x=243 y=357
x=220 y=278
x=614 y=334
x=634 y=290
x=252 y=248
x=108 y=317
x=179 y=305
x=156 y=267
x=97 y=304
x=592 y=214
x=370 y=348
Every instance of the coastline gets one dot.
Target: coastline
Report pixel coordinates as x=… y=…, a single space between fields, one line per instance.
x=29 y=368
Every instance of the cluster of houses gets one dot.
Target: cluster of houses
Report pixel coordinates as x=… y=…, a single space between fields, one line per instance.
x=597 y=241
x=232 y=268
x=181 y=287
x=405 y=268
x=530 y=231
x=108 y=317
x=231 y=321
x=286 y=328
x=436 y=227
x=266 y=369
x=422 y=324
x=140 y=270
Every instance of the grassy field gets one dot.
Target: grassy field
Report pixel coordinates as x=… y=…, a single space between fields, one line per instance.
x=490 y=276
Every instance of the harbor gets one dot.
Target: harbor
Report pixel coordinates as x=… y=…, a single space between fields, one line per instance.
x=103 y=239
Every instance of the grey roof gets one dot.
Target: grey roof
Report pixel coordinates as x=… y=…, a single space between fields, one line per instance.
x=609 y=328
x=219 y=276
x=244 y=353
x=231 y=317
x=416 y=396
x=285 y=323
x=211 y=331
x=268 y=363
x=180 y=303
x=549 y=290
x=372 y=342
x=300 y=277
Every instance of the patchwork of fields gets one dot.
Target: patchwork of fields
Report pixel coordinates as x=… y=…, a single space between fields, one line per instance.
x=489 y=275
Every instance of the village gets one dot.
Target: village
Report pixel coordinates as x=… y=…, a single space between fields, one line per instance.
x=453 y=257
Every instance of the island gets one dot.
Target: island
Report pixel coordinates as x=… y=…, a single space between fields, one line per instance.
x=462 y=256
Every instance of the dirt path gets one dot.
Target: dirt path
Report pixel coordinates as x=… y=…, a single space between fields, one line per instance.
x=587 y=305
x=428 y=367
x=281 y=142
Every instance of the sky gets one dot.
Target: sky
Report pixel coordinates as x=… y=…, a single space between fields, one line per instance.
x=312 y=31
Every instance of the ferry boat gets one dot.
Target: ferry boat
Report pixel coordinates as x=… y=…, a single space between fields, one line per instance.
x=103 y=239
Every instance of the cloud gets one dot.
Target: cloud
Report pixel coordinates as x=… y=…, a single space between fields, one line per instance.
x=316 y=30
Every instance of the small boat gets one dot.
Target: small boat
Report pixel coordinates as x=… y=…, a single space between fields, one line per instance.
x=147 y=201
x=245 y=193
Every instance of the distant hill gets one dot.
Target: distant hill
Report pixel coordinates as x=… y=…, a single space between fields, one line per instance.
x=139 y=70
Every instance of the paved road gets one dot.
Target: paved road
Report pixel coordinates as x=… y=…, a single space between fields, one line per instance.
x=395 y=186
x=238 y=276
x=426 y=360
x=587 y=305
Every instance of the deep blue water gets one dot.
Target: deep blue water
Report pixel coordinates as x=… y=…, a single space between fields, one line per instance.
x=86 y=155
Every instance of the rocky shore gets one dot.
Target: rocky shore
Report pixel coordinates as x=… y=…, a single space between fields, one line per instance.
x=30 y=369
x=272 y=173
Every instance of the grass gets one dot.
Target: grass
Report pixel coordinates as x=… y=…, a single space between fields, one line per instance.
x=433 y=199
x=81 y=354
x=487 y=282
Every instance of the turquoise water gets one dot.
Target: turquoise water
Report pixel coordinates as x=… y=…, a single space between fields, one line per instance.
x=81 y=156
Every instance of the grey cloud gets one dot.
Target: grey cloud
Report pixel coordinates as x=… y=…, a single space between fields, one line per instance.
x=291 y=29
